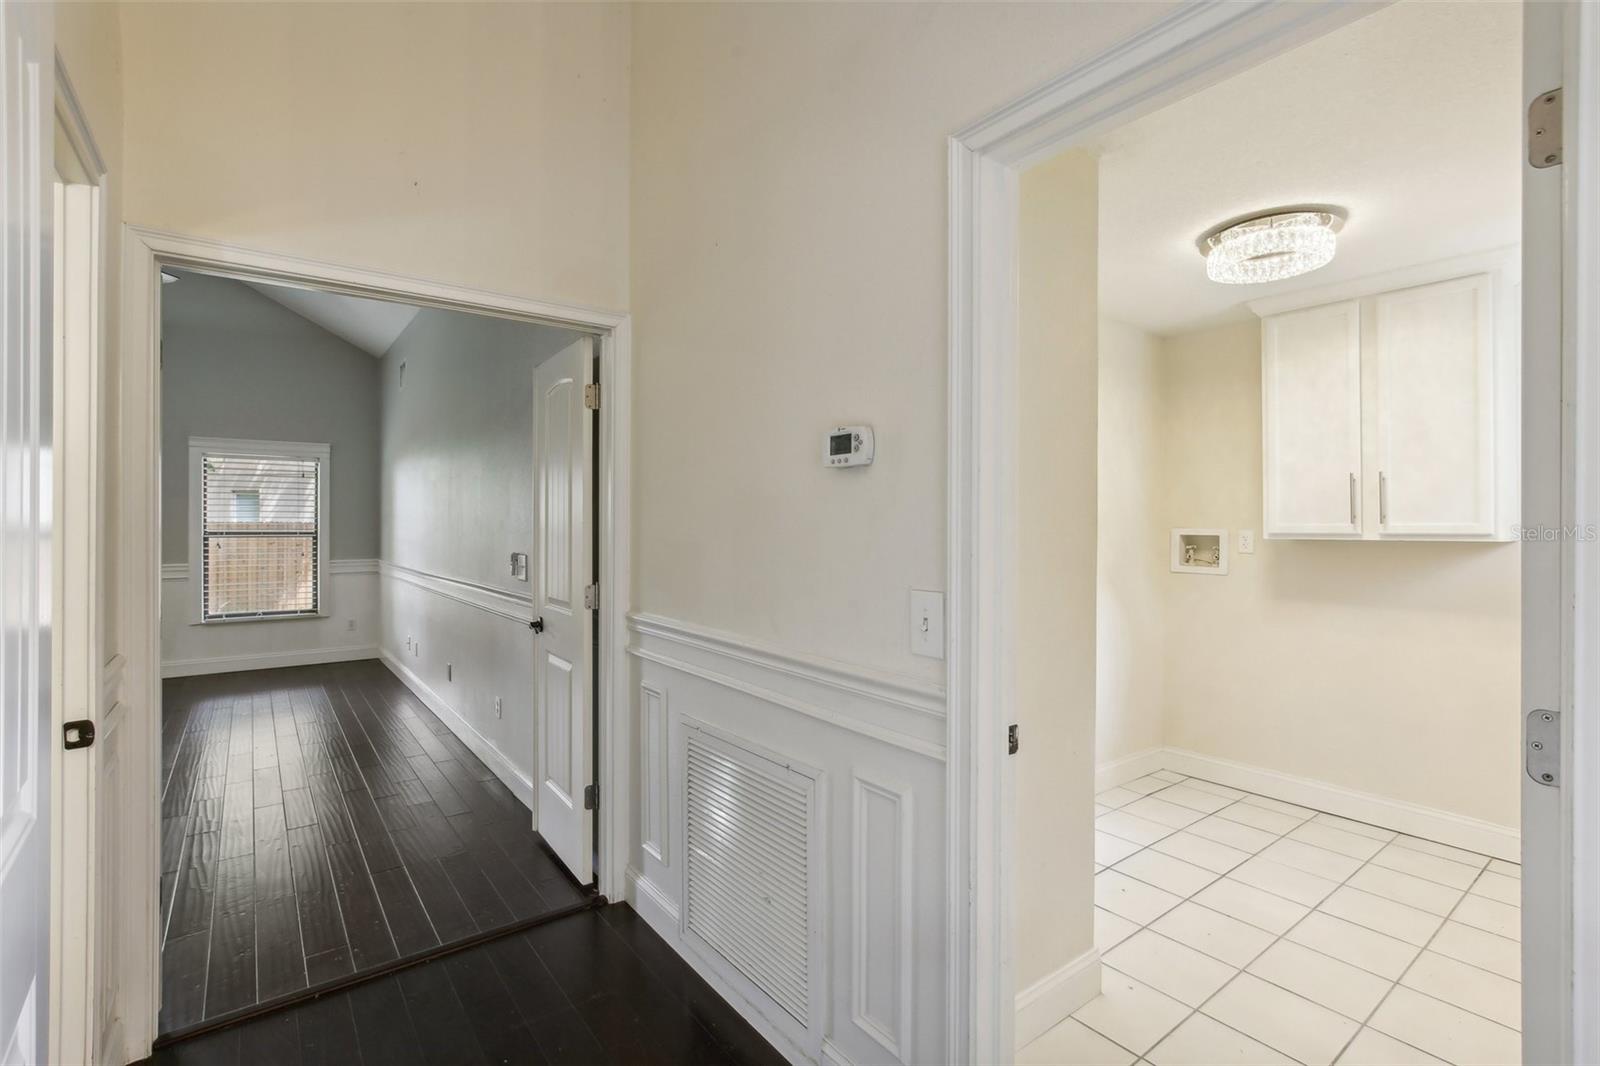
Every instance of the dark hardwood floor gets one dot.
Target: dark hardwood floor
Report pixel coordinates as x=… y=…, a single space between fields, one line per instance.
x=595 y=987
x=320 y=822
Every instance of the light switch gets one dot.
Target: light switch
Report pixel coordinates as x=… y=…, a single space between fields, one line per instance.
x=927 y=623
x=1247 y=542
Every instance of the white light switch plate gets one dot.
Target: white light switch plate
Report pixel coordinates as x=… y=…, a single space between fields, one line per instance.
x=927 y=623
x=1247 y=542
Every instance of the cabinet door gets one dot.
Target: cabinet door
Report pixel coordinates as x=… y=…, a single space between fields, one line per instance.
x=1435 y=422
x=1311 y=421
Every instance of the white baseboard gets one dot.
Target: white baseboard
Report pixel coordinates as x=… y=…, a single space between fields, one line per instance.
x=1429 y=823
x=653 y=905
x=480 y=745
x=1052 y=999
x=658 y=912
x=227 y=664
x=1128 y=768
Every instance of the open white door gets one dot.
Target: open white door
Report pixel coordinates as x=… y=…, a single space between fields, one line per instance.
x=27 y=175
x=563 y=671
x=1561 y=407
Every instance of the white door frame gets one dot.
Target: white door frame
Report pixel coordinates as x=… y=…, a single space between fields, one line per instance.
x=80 y=1019
x=1195 y=46
x=145 y=252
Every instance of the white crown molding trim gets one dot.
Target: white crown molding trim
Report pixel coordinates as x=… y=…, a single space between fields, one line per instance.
x=498 y=602
x=225 y=664
x=1504 y=262
x=1052 y=999
x=519 y=783
x=1413 y=819
x=880 y=686
x=1129 y=768
x=180 y=571
x=930 y=748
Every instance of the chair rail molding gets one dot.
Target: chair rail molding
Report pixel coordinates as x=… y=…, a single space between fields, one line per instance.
x=512 y=606
x=888 y=707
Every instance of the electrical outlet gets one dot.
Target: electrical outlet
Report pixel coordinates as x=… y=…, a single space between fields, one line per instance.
x=498 y=709
x=350 y=625
x=449 y=671
x=1247 y=542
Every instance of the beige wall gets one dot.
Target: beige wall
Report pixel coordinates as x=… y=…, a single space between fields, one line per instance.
x=789 y=273
x=1130 y=651
x=1058 y=226
x=1384 y=667
x=1389 y=668
x=479 y=144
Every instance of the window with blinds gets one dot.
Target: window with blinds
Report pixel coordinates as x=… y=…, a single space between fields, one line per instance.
x=260 y=535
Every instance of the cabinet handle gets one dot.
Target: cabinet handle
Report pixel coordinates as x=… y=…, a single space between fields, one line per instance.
x=1353 y=499
x=1383 y=498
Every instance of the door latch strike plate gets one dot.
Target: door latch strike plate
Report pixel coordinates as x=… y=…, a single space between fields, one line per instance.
x=77 y=734
x=1542 y=746
x=1011 y=740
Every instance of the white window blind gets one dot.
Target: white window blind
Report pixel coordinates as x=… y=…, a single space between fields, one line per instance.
x=259 y=535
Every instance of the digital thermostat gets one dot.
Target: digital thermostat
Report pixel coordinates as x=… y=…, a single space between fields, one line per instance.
x=848 y=446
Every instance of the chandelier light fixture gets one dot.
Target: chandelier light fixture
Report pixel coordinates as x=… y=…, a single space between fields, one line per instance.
x=1270 y=247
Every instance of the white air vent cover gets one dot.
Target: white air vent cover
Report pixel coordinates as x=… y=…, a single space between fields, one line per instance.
x=749 y=865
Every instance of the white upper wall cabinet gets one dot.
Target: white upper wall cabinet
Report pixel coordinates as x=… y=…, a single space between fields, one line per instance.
x=1311 y=421
x=1434 y=359
x=1390 y=406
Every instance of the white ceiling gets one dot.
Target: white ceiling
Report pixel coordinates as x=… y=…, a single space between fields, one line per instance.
x=1410 y=119
x=371 y=325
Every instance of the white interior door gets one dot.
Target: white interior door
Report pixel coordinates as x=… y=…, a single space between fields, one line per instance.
x=563 y=672
x=1558 y=923
x=27 y=175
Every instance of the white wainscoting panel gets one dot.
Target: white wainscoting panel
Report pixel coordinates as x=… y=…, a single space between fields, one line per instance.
x=874 y=744
x=349 y=629
x=653 y=798
x=460 y=646
x=885 y=881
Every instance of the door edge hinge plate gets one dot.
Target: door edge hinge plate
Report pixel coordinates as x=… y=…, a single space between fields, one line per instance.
x=1541 y=745
x=591 y=396
x=591 y=596
x=78 y=733
x=591 y=797
x=1544 y=130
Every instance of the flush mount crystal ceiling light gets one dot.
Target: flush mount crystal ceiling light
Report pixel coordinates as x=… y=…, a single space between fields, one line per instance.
x=1271 y=247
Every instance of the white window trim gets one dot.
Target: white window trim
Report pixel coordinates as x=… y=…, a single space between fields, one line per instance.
x=199 y=447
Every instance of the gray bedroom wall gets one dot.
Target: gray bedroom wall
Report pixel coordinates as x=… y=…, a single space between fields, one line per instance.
x=457 y=459
x=235 y=364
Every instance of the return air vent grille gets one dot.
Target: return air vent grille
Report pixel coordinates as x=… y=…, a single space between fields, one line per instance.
x=749 y=866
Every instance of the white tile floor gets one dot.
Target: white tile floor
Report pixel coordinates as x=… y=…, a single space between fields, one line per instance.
x=1236 y=928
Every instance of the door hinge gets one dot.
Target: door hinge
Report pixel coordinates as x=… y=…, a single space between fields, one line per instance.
x=591 y=797
x=1542 y=747
x=1011 y=740
x=1544 y=130
x=591 y=596
x=77 y=734
x=591 y=396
